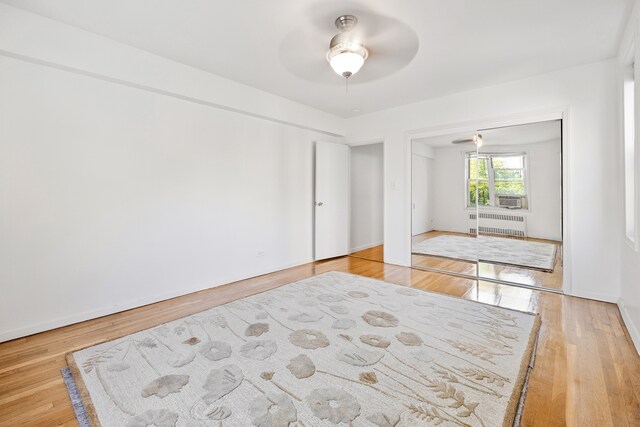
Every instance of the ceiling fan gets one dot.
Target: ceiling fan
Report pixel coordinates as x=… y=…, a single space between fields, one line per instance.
x=355 y=44
x=347 y=52
x=475 y=139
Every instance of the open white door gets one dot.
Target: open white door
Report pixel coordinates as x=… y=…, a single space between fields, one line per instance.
x=331 y=200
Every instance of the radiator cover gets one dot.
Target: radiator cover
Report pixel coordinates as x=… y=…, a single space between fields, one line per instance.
x=498 y=224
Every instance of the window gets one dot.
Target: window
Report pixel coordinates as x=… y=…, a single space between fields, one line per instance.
x=497 y=179
x=477 y=175
x=629 y=156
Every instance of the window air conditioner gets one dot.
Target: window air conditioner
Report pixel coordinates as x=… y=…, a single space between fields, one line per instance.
x=510 y=202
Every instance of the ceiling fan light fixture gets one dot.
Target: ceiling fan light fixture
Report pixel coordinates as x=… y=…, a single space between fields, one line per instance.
x=346 y=53
x=346 y=63
x=475 y=139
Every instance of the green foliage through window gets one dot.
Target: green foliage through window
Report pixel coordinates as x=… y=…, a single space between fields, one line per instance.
x=483 y=192
x=492 y=175
x=509 y=188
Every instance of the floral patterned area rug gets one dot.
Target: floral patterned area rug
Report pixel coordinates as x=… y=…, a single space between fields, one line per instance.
x=497 y=250
x=333 y=349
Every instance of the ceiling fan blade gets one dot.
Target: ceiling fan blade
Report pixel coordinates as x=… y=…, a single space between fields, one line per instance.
x=475 y=139
x=391 y=43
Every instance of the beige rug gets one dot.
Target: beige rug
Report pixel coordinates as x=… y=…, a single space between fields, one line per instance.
x=497 y=250
x=333 y=349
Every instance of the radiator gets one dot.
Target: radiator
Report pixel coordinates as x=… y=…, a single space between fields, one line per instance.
x=498 y=224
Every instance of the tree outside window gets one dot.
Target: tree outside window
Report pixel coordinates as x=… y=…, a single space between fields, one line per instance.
x=492 y=176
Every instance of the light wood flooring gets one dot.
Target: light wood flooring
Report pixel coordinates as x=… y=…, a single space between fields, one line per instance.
x=507 y=273
x=586 y=373
x=375 y=253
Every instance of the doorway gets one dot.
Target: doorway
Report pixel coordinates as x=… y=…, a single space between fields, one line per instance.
x=366 y=237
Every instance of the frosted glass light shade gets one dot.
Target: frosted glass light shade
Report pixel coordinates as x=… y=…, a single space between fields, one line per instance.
x=346 y=63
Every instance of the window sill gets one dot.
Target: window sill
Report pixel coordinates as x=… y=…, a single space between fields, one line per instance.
x=497 y=209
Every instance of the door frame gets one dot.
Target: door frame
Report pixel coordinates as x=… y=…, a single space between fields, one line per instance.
x=559 y=113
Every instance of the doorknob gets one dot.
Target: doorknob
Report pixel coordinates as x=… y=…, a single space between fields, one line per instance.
x=319 y=203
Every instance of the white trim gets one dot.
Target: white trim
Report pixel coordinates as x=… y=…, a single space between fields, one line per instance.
x=629 y=74
x=176 y=95
x=567 y=266
x=367 y=246
x=490 y=123
x=349 y=198
x=627 y=54
x=499 y=209
x=596 y=296
x=631 y=327
x=136 y=303
x=366 y=142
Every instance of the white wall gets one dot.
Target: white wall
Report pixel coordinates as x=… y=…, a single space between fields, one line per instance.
x=544 y=219
x=630 y=268
x=589 y=95
x=422 y=149
x=544 y=216
x=40 y=40
x=115 y=195
x=449 y=187
x=367 y=196
x=108 y=153
x=422 y=194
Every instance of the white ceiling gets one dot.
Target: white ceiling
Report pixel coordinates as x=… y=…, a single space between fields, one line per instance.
x=512 y=135
x=279 y=45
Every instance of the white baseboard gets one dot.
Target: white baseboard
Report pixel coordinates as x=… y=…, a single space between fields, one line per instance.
x=367 y=246
x=631 y=327
x=595 y=296
x=422 y=232
x=127 y=305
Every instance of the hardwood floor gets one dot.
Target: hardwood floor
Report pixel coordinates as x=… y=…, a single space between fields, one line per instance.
x=587 y=372
x=508 y=273
x=375 y=253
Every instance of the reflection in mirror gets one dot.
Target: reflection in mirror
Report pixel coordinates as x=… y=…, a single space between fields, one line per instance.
x=446 y=182
x=488 y=204
x=520 y=204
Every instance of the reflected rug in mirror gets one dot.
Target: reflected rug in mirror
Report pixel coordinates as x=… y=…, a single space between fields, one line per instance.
x=498 y=250
x=333 y=349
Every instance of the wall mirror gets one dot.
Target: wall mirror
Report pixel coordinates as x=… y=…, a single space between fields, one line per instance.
x=488 y=204
x=442 y=227
x=520 y=205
